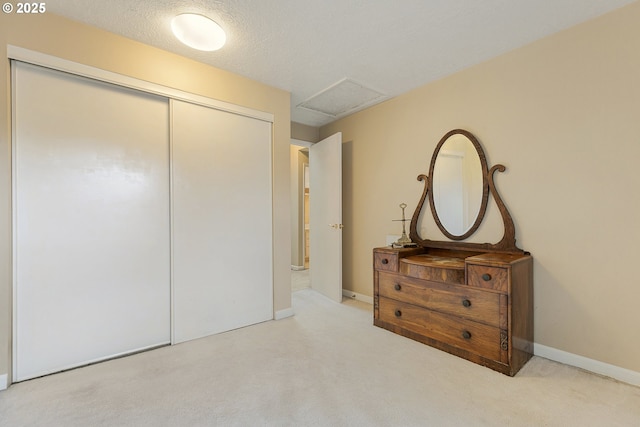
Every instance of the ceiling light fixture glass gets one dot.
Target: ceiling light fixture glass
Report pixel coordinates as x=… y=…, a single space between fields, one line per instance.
x=198 y=32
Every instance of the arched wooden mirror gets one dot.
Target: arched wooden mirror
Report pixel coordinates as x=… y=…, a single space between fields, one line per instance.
x=458 y=188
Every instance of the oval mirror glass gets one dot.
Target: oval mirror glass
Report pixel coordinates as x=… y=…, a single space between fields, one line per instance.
x=458 y=190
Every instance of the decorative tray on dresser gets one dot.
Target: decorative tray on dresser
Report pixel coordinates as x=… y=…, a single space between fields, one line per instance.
x=473 y=300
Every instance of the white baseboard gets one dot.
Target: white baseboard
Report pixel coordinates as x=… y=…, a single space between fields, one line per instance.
x=297 y=267
x=283 y=314
x=595 y=366
x=354 y=295
x=4 y=378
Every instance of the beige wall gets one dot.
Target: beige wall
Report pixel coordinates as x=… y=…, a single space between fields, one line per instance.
x=305 y=132
x=562 y=115
x=69 y=40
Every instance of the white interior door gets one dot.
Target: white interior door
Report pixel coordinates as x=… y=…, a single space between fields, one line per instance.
x=222 y=221
x=325 y=216
x=91 y=221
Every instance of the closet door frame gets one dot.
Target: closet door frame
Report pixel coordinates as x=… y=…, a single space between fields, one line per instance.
x=55 y=63
x=37 y=58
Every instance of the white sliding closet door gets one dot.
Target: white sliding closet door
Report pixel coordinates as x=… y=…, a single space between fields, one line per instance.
x=222 y=221
x=92 y=225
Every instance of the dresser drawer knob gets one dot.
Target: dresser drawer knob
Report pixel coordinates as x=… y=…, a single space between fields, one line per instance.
x=398 y=313
x=466 y=303
x=397 y=287
x=385 y=261
x=466 y=335
x=486 y=277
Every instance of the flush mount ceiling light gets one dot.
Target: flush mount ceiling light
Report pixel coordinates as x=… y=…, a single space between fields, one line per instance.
x=198 y=32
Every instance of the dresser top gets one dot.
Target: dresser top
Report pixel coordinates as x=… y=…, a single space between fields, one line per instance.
x=401 y=251
x=450 y=258
x=497 y=258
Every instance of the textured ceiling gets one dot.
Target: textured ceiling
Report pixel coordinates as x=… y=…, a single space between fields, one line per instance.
x=307 y=47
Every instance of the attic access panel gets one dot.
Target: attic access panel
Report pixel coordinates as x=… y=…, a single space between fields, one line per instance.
x=342 y=98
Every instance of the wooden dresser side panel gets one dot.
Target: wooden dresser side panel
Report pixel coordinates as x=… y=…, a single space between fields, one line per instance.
x=376 y=294
x=521 y=313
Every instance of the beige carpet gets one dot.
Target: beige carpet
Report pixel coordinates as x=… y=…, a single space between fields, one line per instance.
x=327 y=366
x=300 y=280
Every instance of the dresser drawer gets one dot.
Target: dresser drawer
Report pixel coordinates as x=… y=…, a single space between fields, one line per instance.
x=486 y=277
x=434 y=268
x=463 y=301
x=385 y=261
x=465 y=334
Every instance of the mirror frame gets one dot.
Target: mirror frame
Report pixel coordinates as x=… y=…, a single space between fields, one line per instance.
x=485 y=188
x=506 y=244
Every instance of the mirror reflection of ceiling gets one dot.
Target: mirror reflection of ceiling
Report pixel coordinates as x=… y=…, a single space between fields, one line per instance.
x=308 y=46
x=457 y=184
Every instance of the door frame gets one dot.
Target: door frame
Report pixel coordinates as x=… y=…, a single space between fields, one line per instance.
x=305 y=208
x=299 y=210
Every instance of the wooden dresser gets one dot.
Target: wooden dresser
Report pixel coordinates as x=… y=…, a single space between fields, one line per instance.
x=474 y=300
x=478 y=306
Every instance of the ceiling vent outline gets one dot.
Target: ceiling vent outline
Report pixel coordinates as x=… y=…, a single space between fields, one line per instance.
x=342 y=98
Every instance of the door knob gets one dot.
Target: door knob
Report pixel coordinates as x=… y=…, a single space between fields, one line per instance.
x=336 y=226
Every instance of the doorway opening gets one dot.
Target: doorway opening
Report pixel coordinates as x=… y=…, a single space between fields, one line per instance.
x=305 y=215
x=325 y=214
x=300 y=229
